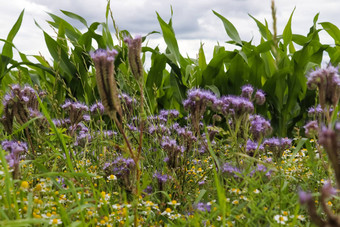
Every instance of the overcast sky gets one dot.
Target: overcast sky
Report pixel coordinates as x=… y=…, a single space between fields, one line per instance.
x=193 y=20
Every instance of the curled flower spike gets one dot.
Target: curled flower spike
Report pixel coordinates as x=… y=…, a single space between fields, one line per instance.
x=311 y=128
x=75 y=110
x=259 y=127
x=247 y=91
x=197 y=102
x=327 y=80
x=15 y=148
x=106 y=83
x=330 y=140
x=123 y=169
x=135 y=49
x=260 y=97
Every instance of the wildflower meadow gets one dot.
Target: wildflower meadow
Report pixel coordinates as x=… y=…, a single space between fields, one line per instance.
x=90 y=137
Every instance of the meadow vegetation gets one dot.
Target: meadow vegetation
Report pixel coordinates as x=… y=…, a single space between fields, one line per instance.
x=91 y=138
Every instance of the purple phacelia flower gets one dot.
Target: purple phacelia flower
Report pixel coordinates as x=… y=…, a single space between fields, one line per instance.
x=160 y=129
x=315 y=111
x=328 y=190
x=20 y=104
x=327 y=80
x=15 y=149
x=251 y=147
x=237 y=106
x=197 y=101
x=228 y=168
x=76 y=111
x=135 y=62
x=277 y=143
x=247 y=91
x=169 y=114
x=259 y=127
x=203 y=207
x=260 y=168
x=311 y=128
x=161 y=178
x=97 y=108
x=260 y=97
x=305 y=197
x=120 y=166
x=128 y=103
x=148 y=190
x=106 y=83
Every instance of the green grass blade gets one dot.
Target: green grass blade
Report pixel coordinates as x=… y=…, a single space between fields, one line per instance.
x=60 y=137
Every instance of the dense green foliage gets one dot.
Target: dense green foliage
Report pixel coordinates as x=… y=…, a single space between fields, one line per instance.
x=218 y=173
x=278 y=68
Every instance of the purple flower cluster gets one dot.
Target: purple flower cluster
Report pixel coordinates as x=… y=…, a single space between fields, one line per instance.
x=197 y=101
x=228 y=168
x=260 y=168
x=128 y=103
x=20 y=104
x=15 y=149
x=247 y=91
x=311 y=128
x=260 y=97
x=168 y=114
x=76 y=111
x=259 y=127
x=199 y=98
x=234 y=105
x=327 y=80
x=173 y=151
x=277 y=145
x=161 y=178
x=61 y=122
x=159 y=129
x=103 y=55
x=123 y=169
x=315 y=111
x=186 y=135
x=203 y=207
x=170 y=145
x=120 y=166
x=97 y=108
x=305 y=197
x=251 y=147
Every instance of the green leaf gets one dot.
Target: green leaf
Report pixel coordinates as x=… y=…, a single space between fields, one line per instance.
x=287 y=32
x=170 y=38
x=299 y=39
x=215 y=66
x=265 y=32
x=107 y=37
x=201 y=58
x=155 y=74
x=332 y=30
x=230 y=29
x=71 y=32
x=264 y=47
x=75 y=16
x=7 y=49
x=60 y=56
